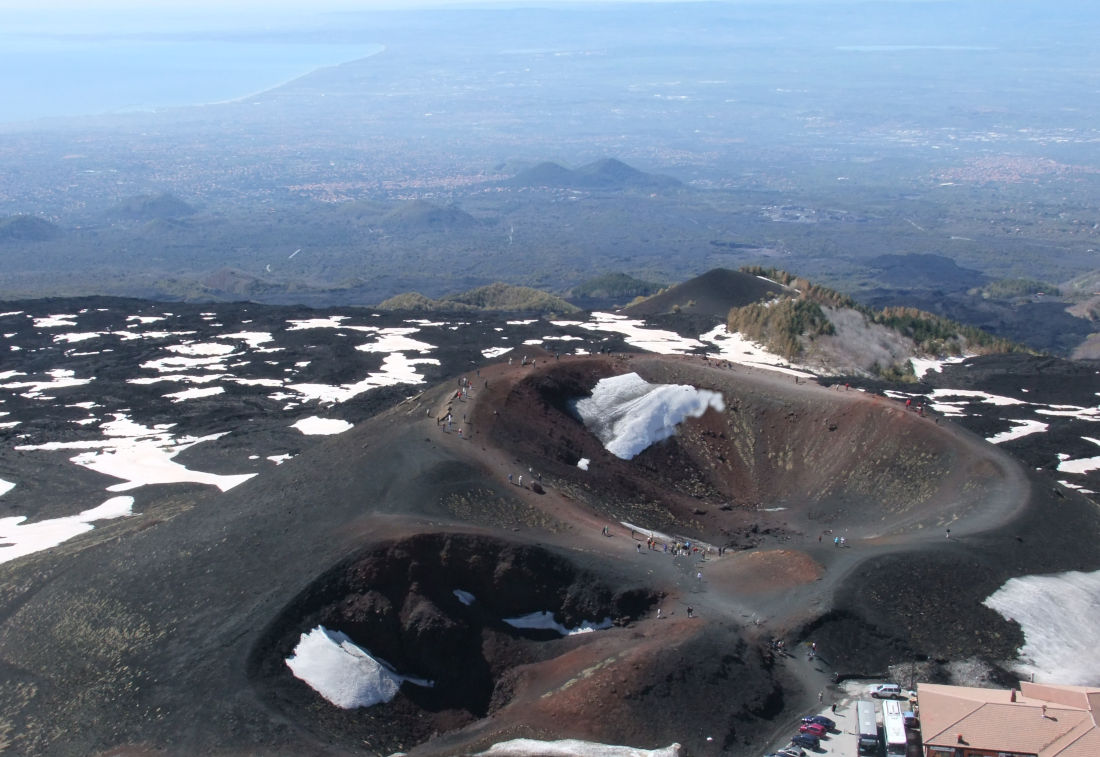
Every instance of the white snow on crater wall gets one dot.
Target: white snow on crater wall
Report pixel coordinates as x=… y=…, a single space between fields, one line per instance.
x=573 y=748
x=1059 y=615
x=628 y=414
x=342 y=672
x=544 y=620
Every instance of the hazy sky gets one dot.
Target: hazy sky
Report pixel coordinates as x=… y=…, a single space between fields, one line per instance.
x=230 y=6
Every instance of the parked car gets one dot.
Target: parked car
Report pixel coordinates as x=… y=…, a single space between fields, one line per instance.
x=829 y=723
x=791 y=751
x=887 y=691
x=815 y=728
x=910 y=719
x=807 y=740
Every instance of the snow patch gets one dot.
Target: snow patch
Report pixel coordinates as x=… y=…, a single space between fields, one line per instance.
x=18 y=539
x=396 y=340
x=314 y=426
x=922 y=365
x=636 y=334
x=544 y=621
x=207 y=349
x=396 y=369
x=141 y=456
x=1023 y=428
x=73 y=338
x=493 y=352
x=1059 y=615
x=252 y=338
x=628 y=414
x=59 y=379
x=54 y=321
x=342 y=672
x=190 y=394
x=464 y=597
x=992 y=399
x=735 y=348
x=583 y=463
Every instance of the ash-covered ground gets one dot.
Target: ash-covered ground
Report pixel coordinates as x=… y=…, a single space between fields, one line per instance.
x=190 y=489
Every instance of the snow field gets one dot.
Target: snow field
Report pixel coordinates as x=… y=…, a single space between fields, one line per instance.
x=545 y=621
x=1059 y=615
x=343 y=673
x=314 y=426
x=628 y=414
x=18 y=539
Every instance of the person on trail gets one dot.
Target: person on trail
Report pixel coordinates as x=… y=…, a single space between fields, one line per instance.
x=821 y=696
x=638 y=544
x=658 y=613
x=509 y=478
x=691 y=612
x=521 y=480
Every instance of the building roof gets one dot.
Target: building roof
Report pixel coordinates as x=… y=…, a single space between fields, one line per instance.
x=1043 y=719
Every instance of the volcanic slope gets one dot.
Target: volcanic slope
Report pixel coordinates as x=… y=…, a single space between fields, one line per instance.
x=409 y=537
x=709 y=295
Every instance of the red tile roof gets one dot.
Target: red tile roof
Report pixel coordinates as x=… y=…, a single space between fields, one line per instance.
x=1042 y=719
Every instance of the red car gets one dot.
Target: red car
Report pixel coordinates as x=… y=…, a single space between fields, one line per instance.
x=813 y=728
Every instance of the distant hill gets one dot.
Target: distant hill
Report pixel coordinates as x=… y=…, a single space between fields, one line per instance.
x=222 y=284
x=497 y=297
x=612 y=285
x=607 y=174
x=712 y=294
x=24 y=228
x=161 y=207
x=418 y=216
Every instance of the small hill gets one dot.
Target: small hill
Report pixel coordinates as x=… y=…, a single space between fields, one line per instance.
x=608 y=174
x=712 y=294
x=614 y=174
x=544 y=175
x=832 y=333
x=494 y=297
x=161 y=207
x=24 y=228
x=614 y=285
x=420 y=216
x=222 y=284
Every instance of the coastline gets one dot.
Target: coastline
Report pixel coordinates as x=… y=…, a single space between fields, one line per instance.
x=45 y=116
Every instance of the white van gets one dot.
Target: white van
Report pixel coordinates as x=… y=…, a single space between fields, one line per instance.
x=887 y=691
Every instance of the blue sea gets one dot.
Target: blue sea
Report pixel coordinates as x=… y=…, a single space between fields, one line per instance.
x=60 y=76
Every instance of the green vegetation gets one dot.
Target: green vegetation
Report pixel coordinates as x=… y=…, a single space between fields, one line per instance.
x=614 y=285
x=898 y=374
x=782 y=326
x=498 y=296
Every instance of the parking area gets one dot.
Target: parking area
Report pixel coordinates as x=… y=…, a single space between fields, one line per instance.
x=843 y=741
